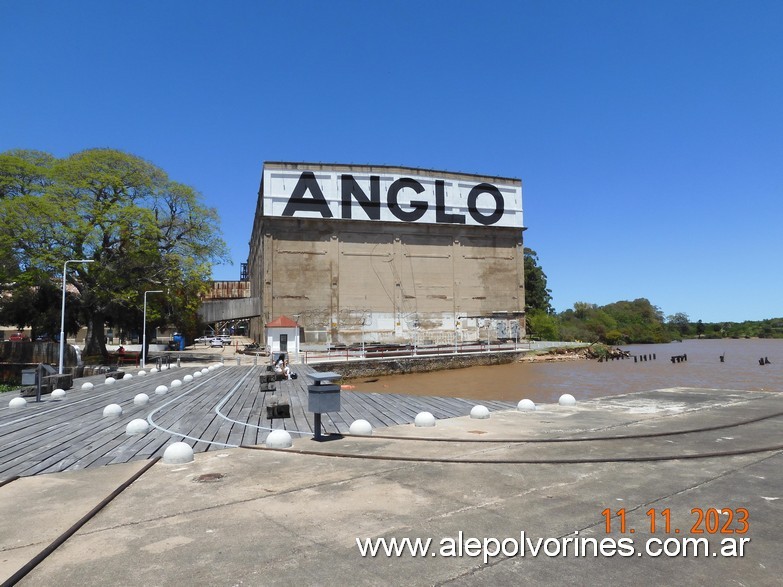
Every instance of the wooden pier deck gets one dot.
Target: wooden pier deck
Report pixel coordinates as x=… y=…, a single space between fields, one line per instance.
x=219 y=409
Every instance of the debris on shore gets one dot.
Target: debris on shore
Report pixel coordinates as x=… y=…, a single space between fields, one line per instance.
x=594 y=351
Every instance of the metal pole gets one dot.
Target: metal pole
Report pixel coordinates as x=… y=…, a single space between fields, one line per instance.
x=38 y=381
x=144 y=328
x=317 y=426
x=62 y=312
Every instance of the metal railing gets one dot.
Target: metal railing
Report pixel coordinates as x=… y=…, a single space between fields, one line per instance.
x=411 y=351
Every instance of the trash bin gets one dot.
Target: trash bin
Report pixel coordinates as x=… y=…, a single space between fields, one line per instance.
x=323 y=396
x=28 y=376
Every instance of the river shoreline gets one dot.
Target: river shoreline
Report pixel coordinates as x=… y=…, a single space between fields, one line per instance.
x=543 y=378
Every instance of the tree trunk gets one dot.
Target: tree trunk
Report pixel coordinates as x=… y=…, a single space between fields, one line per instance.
x=95 y=342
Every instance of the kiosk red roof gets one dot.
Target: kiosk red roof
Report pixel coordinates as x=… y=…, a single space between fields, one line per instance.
x=282 y=322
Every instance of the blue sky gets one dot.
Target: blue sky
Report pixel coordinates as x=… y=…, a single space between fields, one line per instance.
x=648 y=134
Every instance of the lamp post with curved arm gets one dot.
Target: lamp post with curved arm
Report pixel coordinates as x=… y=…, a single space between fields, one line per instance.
x=144 y=328
x=62 y=311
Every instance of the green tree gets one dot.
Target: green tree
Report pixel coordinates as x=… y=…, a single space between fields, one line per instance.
x=636 y=321
x=24 y=172
x=142 y=230
x=542 y=325
x=38 y=306
x=583 y=310
x=537 y=295
x=680 y=322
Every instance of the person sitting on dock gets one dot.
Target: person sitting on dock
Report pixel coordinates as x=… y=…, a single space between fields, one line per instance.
x=281 y=367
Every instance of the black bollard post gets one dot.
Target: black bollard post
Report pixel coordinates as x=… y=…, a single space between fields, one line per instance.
x=634 y=358
x=654 y=358
x=685 y=357
x=38 y=380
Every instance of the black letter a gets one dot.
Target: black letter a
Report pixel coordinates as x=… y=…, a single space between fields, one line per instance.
x=297 y=201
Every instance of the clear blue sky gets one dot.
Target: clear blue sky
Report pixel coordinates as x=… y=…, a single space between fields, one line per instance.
x=648 y=134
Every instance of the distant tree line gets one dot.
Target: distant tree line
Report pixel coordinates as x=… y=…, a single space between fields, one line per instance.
x=622 y=322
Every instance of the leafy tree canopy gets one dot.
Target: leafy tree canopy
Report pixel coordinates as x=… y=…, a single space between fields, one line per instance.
x=142 y=231
x=537 y=295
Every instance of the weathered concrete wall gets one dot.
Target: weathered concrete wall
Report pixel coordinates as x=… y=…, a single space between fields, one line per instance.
x=376 y=367
x=347 y=281
x=16 y=356
x=36 y=352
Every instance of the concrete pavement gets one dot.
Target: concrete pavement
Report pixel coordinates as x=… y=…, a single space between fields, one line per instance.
x=259 y=517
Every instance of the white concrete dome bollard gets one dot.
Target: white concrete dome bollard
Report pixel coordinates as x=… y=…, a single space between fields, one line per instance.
x=176 y=383
x=211 y=368
x=112 y=411
x=187 y=378
x=279 y=439
x=526 y=405
x=361 y=428
x=127 y=376
x=197 y=374
x=161 y=389
x=205 y=370
x=17 y=402
x=141 y=399
x=110 y=380
x=567 y=400
x=87 y=385
x=154 y=370
x=142 y=373
x=479 y=413
x=137 y=426
x=178 y=453
x=424 y=420
x=58 y=394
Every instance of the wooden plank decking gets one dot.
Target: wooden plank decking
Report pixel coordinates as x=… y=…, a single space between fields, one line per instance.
x=218 y=409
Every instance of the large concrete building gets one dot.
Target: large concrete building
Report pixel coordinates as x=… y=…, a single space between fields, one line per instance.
x=385 y=254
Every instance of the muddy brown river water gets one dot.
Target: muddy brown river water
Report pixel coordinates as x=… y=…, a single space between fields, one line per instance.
x=585 y=379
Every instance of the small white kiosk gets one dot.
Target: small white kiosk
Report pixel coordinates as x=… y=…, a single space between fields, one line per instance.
x=282 y=336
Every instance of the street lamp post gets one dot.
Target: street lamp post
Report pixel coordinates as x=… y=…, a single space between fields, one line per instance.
x=62 y=311
x=144 y=328
x=363 y=320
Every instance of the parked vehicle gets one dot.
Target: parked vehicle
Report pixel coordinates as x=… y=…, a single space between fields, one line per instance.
x=216 y=343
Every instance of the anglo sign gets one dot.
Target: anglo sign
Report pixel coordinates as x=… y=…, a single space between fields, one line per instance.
x=390 y=198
